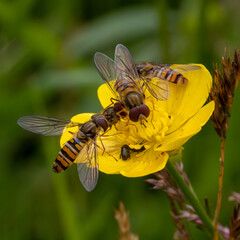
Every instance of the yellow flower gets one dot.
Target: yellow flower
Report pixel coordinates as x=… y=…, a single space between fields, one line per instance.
x=170 y=124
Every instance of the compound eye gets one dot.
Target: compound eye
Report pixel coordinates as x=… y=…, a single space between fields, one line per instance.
x=102 y=123
x=118 y=108
x=94 y=116
x=134 y=114
x=144 y=110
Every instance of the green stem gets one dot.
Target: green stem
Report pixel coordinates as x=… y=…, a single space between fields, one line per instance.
x=191 y=197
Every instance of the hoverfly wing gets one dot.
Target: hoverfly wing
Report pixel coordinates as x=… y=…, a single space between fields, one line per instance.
x=87 y=166
x=158 y=89
x=106 y=68
x=182 y=68
x=125 y=67
x=45 y=125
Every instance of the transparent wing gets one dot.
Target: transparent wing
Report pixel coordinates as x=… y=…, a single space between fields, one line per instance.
x=181 y=68
x=125 y=67
x=158 y=89
x=87 y=166
x=106 y=68
x=44 y=125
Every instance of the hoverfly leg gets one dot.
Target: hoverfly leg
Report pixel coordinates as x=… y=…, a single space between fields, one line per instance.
x=143 y=86
x=103 y=147
x=115 y=127
x=142 y=123
x=106 y=152
x=142 y=119
x=113 y=100
x=121 y=113
x=127 y=122
x=134 y=126
x=103 y=135
x=152 y=122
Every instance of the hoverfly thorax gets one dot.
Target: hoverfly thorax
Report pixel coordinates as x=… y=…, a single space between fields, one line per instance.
x=111 y=115
x=125 y=152
x=89 y=129
x=133 y=99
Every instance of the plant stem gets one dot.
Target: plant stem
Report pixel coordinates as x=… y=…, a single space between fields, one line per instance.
x=220 y=181
x=191 y=197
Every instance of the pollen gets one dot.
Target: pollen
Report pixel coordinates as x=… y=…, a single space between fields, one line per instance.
x=149 y=133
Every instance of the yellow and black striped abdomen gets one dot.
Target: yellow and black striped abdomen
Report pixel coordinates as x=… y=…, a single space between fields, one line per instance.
x=123 y=87
x=168 y=74
x=68 y=154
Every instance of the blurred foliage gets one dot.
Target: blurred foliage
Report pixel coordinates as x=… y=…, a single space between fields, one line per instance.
x=46 y=68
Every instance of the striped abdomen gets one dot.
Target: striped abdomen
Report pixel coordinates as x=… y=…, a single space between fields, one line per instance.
x=149 y=70
x=123 y=87
x=168 y=74
x=68 y=154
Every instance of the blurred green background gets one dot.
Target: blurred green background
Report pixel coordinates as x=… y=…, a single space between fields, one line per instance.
x=46 y=68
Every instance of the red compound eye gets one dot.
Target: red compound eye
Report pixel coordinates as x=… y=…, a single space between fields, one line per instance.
x=137 y=111
x=103 y=123
x=134 y=114
x=118 y=108
x=144 y=110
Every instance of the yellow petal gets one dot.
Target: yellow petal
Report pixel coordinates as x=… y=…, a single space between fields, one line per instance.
x=186 y=100
x=105 y=95
x=177 y=138
x=67 y=134
x=145 y=164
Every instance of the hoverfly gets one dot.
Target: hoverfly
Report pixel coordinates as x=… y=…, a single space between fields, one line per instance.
x=126 y=151
x=81 y=148
x=128 y=87
x=163 y=71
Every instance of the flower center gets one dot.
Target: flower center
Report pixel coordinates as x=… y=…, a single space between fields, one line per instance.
x=150 y=133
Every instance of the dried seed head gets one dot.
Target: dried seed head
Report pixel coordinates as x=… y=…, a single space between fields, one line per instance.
x=222 y=93
x=181 y=211
x=165 y=182
x=124 y=225
x=235 y=197
x=181 y=230
x=235 y=224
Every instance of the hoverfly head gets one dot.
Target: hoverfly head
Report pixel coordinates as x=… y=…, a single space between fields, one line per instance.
x=101 y=121
x=139 y=113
